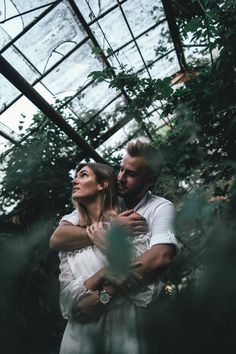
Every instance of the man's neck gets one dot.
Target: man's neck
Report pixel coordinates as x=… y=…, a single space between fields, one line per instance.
x=132 y=202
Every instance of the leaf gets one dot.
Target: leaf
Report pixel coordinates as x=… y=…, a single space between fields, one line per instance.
x=118 y=249
x=96 y=50
x=110 y=52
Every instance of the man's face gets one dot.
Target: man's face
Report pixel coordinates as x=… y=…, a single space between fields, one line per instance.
x=133 y=178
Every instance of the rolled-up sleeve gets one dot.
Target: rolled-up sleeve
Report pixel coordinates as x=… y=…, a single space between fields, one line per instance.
x=162 y=228
x=71 y=289
x=73 y=218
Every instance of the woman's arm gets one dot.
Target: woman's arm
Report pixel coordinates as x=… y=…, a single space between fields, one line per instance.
x=71 y=289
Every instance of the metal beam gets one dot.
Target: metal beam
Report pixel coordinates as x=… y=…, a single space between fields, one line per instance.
x=22 y=85
x=133 y=37
x=8 y=133
x=105 y=60
x=174 y=32
x=108 y=134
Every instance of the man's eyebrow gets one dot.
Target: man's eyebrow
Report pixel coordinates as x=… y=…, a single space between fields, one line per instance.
x=129 y=170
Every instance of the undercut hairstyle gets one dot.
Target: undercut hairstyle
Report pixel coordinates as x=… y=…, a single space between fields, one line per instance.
x=150 y=153
x=108 y=196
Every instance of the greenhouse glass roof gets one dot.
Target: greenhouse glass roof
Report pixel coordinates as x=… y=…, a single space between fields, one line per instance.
x=50 y=47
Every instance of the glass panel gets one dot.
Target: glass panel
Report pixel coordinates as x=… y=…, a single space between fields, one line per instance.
x=154 y=121
x=51 y=38
x=73 y=72
x=128 y=57
x=23 y=110
x=158 y=43
x=117 y=36
x=4 y=37
x=21 y=64
x=4 y=146
x=9 y=8
x=143 y=14
x=165 y=67
x=91 y=8
x=8 y=92
x=93 y=99
x=115 y=110
x=155 y=43
x=195 y=54
x=119 y=137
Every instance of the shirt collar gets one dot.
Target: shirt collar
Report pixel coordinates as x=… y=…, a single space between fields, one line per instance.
x=143 y=201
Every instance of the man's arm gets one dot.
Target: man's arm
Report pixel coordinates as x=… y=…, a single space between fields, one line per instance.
x=153 y=263
x=68 y=237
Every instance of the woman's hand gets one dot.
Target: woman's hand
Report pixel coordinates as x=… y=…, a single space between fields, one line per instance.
x=88 y=309
x=97 y=234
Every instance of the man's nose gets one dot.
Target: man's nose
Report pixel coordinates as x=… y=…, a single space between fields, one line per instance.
x=121 y=177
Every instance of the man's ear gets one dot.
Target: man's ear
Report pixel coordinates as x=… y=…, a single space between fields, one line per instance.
x=149 y=181
x=103 y=185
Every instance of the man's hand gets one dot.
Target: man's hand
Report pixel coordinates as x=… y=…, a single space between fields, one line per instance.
x=125 y=282
x=97 y=234
x=88 y=309
x=133 y=222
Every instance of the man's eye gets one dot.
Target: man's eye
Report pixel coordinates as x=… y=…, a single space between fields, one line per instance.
x=132 y=174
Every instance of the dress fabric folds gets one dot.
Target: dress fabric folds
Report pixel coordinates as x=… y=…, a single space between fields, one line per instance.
x=117 y=331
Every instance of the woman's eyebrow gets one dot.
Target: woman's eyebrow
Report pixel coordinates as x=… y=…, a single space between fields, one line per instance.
x=82 y=171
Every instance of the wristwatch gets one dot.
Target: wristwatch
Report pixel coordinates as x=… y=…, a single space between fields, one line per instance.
x=104 y=297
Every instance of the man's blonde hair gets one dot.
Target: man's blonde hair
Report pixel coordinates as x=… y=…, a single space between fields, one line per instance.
x=149 y=153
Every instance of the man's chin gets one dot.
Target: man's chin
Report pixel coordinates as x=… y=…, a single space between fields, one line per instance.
x=122 y=192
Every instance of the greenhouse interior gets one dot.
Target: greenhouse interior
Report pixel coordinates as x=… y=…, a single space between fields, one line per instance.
x=80 y=80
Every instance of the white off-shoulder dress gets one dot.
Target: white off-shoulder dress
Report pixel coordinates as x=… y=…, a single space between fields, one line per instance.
x=118 y=330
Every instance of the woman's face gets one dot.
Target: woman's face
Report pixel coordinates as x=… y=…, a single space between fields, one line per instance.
x=85 y=186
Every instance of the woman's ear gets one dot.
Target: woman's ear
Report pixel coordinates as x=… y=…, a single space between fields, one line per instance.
x=103 y=185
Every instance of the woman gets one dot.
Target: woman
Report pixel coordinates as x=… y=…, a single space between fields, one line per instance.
x=94 y=195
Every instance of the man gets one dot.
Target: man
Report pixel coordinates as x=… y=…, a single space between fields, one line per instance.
x=138 y=171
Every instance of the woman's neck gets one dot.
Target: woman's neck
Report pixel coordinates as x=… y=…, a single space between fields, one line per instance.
x=94 y=211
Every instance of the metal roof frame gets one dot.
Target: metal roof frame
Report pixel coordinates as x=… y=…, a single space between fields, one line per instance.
x=27 y=89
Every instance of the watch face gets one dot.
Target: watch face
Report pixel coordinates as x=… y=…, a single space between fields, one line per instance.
x=104 y=297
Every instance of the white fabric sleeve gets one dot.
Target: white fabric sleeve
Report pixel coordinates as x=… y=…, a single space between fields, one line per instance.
x=162 y=228
x=73 y=218
x=71 y=289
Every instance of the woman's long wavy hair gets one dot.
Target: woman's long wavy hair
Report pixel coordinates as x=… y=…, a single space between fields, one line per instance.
x=108 y=196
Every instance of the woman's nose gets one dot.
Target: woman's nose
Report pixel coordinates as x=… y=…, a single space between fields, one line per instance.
x=74 y=181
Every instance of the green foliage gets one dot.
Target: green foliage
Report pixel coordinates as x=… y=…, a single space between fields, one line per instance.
x=198 y=147
x=118 y=250
x=141 y=92
x=36 y=190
